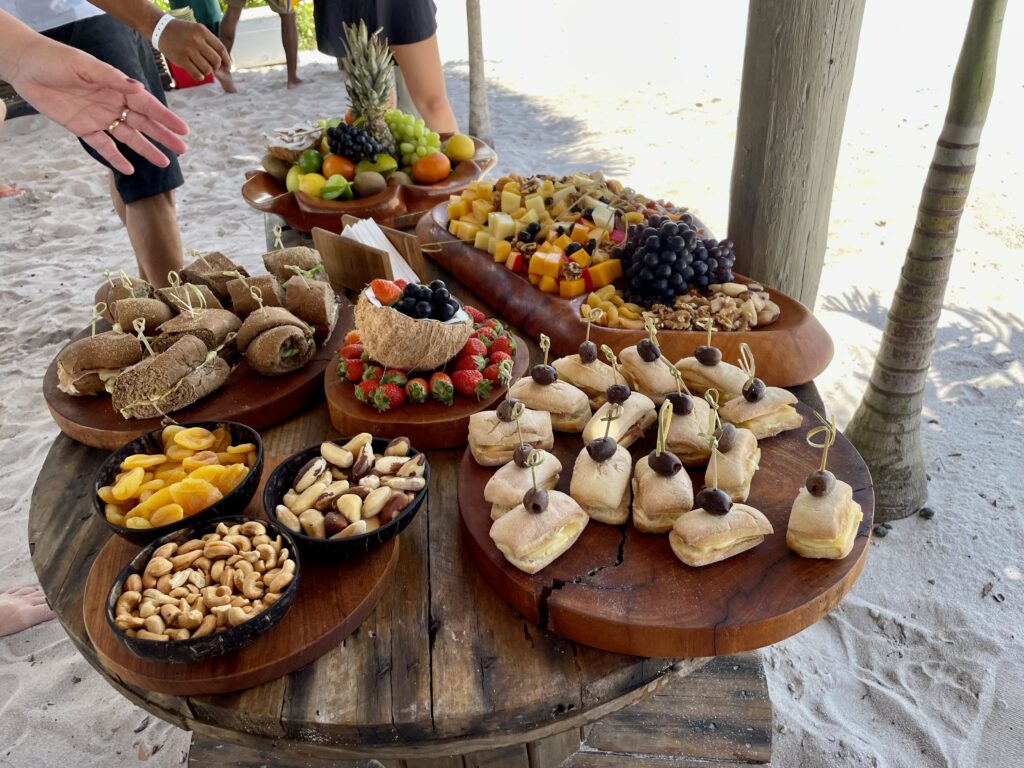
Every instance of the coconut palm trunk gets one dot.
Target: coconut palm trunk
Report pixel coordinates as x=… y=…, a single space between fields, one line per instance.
x=886 y=428
x=479 y=114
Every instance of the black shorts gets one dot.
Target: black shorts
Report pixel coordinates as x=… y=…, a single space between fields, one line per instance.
x=112 y=42
x=404 y=22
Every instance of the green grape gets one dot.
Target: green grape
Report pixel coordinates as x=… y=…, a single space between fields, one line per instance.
x=421 y=151
x=406 y=147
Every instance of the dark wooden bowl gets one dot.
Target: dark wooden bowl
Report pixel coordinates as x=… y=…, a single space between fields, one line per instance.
x=338 y=549
x=232 y=504
x=232 y=639
x=399 y=206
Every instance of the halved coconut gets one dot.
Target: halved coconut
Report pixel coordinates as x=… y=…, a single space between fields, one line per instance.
x=398 y=341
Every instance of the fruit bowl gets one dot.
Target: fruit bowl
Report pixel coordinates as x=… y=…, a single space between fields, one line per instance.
x=398 y=206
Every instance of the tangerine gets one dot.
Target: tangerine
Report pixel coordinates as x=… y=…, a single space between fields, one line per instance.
x=432 y=168
x=335 y=164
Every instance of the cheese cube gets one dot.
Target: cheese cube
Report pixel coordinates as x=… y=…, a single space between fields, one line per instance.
x=510 y=201
x=482 y=241
x=570 y=289
x=502 y=249
x=500 y=224
x=535 y=203
x=481 y=208
x=548 y=284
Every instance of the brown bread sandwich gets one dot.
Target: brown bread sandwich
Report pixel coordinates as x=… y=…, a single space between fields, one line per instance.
x=275 y=342
x=86 y=365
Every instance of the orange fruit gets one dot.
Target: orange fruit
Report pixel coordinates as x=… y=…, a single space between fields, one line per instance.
x=337 y=164
x=432 y=168
x=349 y=117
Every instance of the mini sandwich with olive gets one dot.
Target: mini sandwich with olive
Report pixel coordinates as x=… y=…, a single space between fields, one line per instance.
x=600 y=477
x=662 y=491
x=568 y=406
x=584 y=370
x=706 y=370
x=643 y=367
x=765 y=411
x=637 y=414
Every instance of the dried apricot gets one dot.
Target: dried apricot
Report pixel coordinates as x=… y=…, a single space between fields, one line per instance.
x=144 y=496
x=210 y=473
x=201 y=459
x=195 y=495
x=195 y=438
x=230 y=478
x=143 y=460
x=178 y=453
x=154 y=484
x=105 y=492
x=128 y=485
x=250 y=458
x=137 y=522
x=241 y=448
x=170 y=513
x=231 y=458
x=167 y=436
x=222 y=439
x=114 y=514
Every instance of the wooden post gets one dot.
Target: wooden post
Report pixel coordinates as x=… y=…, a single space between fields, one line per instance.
x=886 y=428
x=479 y=114
x=797 y=73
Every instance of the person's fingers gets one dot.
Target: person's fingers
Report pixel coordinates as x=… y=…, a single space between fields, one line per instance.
x=157 y=132
x=103 y=144
x=215 y=44
x=142 y=146
x=105 y=76
x=150 y=106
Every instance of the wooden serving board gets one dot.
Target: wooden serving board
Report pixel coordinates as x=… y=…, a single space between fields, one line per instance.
x=332 y=601
x=428 y=425
x=789 y=352
x=257 y=401
x=398 y=206
x=624 y=591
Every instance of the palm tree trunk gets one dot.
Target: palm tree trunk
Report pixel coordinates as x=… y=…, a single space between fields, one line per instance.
x=479 y=114
x=886 y=427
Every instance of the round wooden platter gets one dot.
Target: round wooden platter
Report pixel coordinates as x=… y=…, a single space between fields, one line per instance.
x=332 y=601
x=257 y=401
x=399 y=206
x=789 y=352
x=624 y=591
x=428 y=425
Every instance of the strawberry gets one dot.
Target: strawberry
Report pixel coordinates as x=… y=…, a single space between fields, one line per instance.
x=471 y=384
x=441 y=388
x=401 y=283
x=385 y=291
x=353 y=337
x=470 y=363
x=416 y=390
x=497 y=356
x=474 y=313
x=372 y=373
x=486 y=335
x=365 y=391
x=503 y=344
x=492 y=322
x=388 y=397
x=351 y=350
x=353 y=368
x=474 y=347
x=394 y=376
x=491 y=373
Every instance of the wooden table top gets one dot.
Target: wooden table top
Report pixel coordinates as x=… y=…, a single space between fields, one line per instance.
x=443 y=665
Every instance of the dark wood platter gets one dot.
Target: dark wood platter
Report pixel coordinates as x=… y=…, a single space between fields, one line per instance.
x=245 y=397
x=624 y=591
x=399 y=206
x=332 y=601
x=428 y=425
x=789 y=352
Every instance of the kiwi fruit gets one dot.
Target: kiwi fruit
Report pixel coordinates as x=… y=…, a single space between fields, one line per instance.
x=399 y=177
x=369 y=183
x=276 y=167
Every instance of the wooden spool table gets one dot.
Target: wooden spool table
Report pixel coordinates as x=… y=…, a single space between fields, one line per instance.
x=443 y=674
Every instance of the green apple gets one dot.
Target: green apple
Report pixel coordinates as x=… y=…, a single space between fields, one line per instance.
x=385 y=164
x=291 y=181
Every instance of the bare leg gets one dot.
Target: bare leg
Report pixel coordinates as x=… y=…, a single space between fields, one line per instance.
x=228 y=28
x=290 y=40
x=21 y=608
x=152 y=225
x=421 y=67
x=115 y=197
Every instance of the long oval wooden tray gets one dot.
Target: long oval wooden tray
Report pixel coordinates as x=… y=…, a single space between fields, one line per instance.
x=246 y=397
x=624 y=591
x=789 y=352
x=332 y=601
x=399 y=206
x=428 y=425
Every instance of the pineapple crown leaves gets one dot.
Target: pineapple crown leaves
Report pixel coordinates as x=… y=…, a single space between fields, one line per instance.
x=369 y=64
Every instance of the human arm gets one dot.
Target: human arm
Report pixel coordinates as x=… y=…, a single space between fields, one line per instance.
x=85 y=96
x=189 y=45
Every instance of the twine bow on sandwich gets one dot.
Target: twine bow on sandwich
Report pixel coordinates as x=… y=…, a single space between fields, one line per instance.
x=110 y=280
x=126 y=281
x=305 y=273
x=534 y=460
x=257 y=295
x=595 y=315
x=174 y=280
x=614 y=413
x=664 y=424
x=545 y=346
x=97 y=312
x=278 y=242
x=708 y=324
x=505 y=377
x=680 y=384
x=746 y=361
x=651 y=326
x=613 y=361
x=828 y=430
x=517 y=413
x=139 y=324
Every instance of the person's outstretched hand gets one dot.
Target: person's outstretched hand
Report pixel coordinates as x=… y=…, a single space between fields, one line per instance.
x=198 y=51
x=85 y=96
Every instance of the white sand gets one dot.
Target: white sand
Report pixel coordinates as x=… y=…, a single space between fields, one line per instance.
x=916 y=668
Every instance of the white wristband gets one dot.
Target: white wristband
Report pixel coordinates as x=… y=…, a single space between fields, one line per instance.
x=159 y=29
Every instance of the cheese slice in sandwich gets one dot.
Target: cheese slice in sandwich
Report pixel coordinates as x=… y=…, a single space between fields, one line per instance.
x=767 y=417
x=737 y=466
x=658 y=500
x=824 y=526
x=86 y=365
x=593 y=378
x=686 y=434
x=601 y=488
x=506 y=487
x=493 y=441
x=569 y=407
x=727 y=378
x=638 y=414
x=652 y=379
x=700 y=538
x=532 y=541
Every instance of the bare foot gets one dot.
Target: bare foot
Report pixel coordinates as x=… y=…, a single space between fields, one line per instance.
x=294 y=82
x=7 y=190
x=21 y=608
x=223 y=76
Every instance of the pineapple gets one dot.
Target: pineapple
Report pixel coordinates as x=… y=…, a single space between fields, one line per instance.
x=369 y=65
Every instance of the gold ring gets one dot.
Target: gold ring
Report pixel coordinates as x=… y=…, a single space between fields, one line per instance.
x=113 y=125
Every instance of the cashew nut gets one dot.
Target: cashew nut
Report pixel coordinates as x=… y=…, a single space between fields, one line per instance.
x=237 y=616
x=252 y=585
x=241 y=543
x=133 y=583
x=165 y=551
x=215 y=550
x=127 y=602
x=155 y=624
x=143 y=634
x=185 y=561
x=179 y=578
x=206 y=627
x=253 y=528
x=282 y=580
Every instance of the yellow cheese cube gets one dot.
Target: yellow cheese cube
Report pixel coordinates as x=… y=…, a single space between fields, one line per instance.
x=570 y=289
x=484 y=188
x=604 y=273
x=563 y=241
x=467 y=230
x=548 y=284
x=481 y=208
x=482 y=241
x=535 y=203
x=546 y=264
x=502 y=248
x=534 y=279
x=510 y=201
